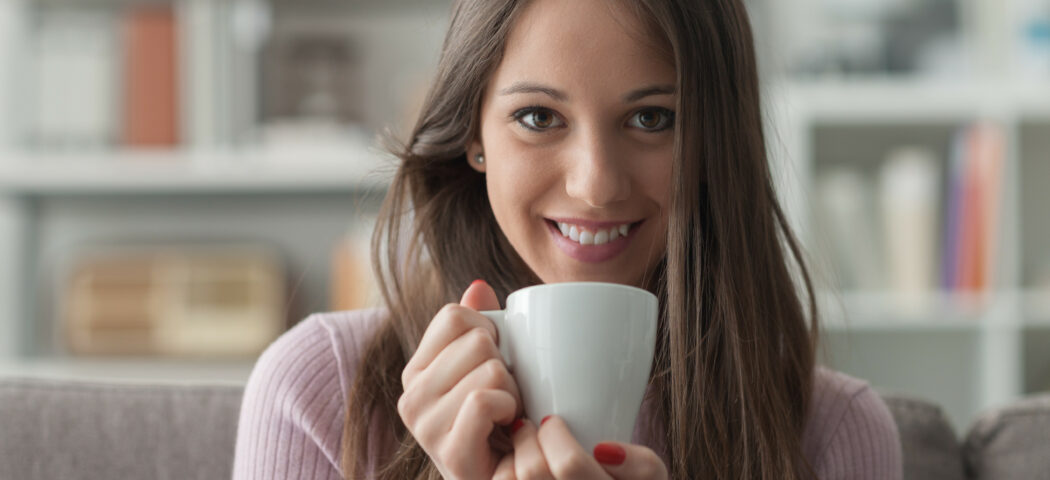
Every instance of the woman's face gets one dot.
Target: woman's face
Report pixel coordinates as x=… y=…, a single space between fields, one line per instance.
x=577 y=136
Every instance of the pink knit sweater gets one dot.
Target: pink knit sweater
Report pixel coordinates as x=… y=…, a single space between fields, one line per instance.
x=294 y=405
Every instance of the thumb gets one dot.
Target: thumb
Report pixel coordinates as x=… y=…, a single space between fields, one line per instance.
x=480 y=296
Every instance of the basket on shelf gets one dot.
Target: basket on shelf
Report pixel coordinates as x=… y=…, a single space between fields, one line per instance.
x=175 y=301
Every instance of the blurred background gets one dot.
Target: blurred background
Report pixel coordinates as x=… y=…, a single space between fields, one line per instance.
x=181 y=181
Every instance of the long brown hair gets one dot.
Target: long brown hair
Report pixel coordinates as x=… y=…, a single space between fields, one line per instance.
x=735 y=352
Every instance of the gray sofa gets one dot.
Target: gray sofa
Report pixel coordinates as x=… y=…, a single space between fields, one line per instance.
x=52 y=429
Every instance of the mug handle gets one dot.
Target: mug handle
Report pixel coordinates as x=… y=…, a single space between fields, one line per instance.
x=499 y=319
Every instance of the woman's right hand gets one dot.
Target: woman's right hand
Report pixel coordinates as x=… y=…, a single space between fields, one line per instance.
x=457 y=388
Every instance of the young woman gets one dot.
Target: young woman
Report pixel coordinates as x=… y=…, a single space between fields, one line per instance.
x=585 y=140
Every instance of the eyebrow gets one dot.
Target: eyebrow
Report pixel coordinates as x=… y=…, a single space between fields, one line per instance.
x=633 y=96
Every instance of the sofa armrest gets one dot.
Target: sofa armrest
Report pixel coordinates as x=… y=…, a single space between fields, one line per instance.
x=930 y=448
x=72 y=429
x=1011 y=442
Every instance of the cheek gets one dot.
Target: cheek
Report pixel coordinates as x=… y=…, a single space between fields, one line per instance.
x=517 y=184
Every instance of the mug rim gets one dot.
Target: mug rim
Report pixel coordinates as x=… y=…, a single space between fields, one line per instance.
x=629 y=288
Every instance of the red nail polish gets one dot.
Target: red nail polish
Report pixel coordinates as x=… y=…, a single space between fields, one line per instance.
x=477 y=282
x=545 y=419
x=517 y=425
x=609 y=453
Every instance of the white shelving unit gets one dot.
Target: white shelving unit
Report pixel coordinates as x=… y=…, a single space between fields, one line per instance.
x=961 y=352
x=298 y=193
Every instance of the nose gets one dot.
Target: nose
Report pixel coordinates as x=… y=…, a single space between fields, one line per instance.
x=596 y=173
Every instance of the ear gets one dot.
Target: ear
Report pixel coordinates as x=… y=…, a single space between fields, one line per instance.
x=472 y=154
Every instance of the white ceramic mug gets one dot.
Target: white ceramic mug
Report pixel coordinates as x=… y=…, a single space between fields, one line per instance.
x=581 y=351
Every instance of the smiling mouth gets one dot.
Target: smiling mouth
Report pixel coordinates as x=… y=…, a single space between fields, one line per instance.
x=587 y=236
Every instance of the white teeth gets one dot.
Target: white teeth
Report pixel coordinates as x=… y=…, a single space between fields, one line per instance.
x=585 y=237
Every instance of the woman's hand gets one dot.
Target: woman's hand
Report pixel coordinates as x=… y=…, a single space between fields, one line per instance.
x=551 y=452
x=457 y=388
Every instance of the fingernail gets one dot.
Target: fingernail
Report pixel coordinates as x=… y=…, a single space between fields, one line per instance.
x=544 y=420
x=477 y=282
x=609 y=453
x=517 y=425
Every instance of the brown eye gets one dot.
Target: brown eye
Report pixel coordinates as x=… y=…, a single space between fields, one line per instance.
x=542 y=119
x=653 y=119
x=537 y=119
x=649 y=119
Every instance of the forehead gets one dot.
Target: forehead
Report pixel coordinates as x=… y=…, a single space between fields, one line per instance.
x=583 y=44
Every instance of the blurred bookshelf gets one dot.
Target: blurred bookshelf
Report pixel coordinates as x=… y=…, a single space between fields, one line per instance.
x=150 y=132
x=910 y=146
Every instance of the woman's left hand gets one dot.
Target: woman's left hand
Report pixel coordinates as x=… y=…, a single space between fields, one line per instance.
x=551 y=452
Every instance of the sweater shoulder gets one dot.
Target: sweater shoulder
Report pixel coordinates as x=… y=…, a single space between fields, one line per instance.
x=850 y=430
x=294 y=403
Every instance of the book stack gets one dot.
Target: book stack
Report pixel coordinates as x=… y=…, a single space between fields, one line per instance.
x=972 y=210
x=911 y=251
x=144 y=75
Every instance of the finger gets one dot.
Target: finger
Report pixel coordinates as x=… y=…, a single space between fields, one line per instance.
x=480 y=297
x=625 y=461
x=456 y=361
x=436 y=418
x=505 y=469
x=451 y=322
x=564 y=454
x=476 y=419
x=492 y=374
x=529 y=461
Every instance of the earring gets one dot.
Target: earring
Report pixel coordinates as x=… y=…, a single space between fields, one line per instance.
x=479 y=159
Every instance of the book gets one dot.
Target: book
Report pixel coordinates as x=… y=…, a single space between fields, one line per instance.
x=975 y=206
x=845 y=199
x=73 y=46
x=151 y=86
x=908 y=191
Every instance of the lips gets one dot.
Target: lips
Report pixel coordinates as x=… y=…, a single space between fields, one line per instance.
x=591 y=242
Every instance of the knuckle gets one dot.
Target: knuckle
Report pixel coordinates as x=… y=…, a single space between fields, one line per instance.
x=404 y=408
x=478 y=401
x=571 y=466
x=406 y=377
x=495 y=373
x=451 y=315
x=424 y=434
x=479 y=339
x=453 y=459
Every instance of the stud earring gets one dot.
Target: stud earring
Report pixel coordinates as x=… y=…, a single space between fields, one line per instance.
x=479 y=159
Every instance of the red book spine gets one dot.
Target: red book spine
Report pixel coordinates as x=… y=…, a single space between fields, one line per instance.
x=151 y=95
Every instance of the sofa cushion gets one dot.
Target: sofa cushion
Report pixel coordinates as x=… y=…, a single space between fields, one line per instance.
x=930 y=448
x=1012 y=442
x=72 y=430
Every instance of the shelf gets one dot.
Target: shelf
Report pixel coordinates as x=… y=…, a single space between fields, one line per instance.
x=175 y=172
x=880 y=311
x=132 y=369
x=1037 y=308
x=909 y=101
